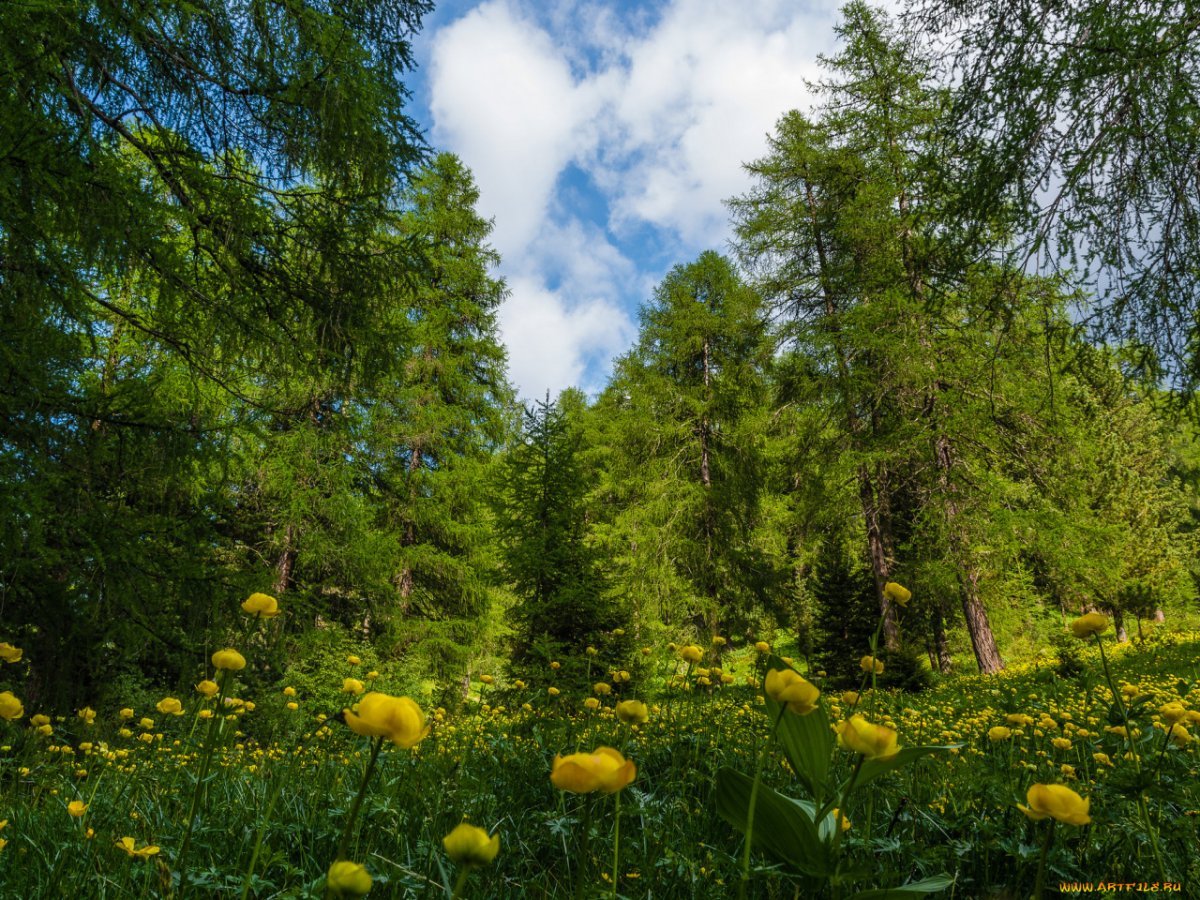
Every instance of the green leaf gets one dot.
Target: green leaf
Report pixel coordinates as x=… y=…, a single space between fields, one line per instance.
x=782 y=826
x=806 y=740
x=925 y=886
x=874 y=768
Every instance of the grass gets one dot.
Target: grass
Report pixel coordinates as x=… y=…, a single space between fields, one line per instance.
x=282 y=784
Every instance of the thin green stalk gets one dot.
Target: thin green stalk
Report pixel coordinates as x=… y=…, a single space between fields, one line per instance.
x=616 y=844
x=344 y=842
x=587 y=836
x=1039 y=887
x=460 y=882
x=762 y=757
x=198 y=791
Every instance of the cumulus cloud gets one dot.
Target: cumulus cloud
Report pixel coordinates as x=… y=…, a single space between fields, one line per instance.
x=660 y=109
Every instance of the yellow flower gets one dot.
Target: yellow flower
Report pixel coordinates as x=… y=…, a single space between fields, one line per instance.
x=556 y=665
x=467 y=845
x=1018 y=719
x=552 y=691
x=229 y=659
x=1180 y=736
x=646 y=651
x=76 y=808
x=762 y=647
x=39 y=720
x=487 y=679
x=169 y=706
x=1173 y=711
x=787 y=687
x=999 y=733
x=10 y=707
x=1102 y=759
x=1056 y=801
x=619 y=632
x=372 y=675
x=632 y=712
x=591 y=651
x=519 y=684
x=897 y=594
x=591 y=703
x=352 y=686
x=353 y=660
x=1092 y=623
x=347 y=879
x=398 y=719
x=1062 y=743
x=602 y=688
x=9 y=653
x=850 y=698
x=719 y=641
x=127 y=713
x=691 y=653
x=205 y=688
x=263 y=606
x=872 y=741
x=603 y=770
x=127 y=844
x=88 y=715
x=869 y=663
x=289 y=691
x=293 y=705
x=146 y=722
x=838 y=817
x=47 y=730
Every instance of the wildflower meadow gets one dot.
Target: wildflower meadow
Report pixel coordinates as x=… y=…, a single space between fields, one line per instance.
x=721 y=771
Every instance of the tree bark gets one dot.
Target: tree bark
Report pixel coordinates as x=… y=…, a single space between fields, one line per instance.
x=285 y=565
x=942 y=661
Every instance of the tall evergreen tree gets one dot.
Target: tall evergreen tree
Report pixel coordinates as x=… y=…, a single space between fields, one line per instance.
x=688 y=407
x=555 y=570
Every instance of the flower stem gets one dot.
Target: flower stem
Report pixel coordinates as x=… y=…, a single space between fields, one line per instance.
x=344 y=842
x=198 y=791
x=1039 y=887
x=460 y=882
x=616 y=843
x=762 y=757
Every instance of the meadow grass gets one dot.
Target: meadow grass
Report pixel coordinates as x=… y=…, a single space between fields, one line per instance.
x=274 y=806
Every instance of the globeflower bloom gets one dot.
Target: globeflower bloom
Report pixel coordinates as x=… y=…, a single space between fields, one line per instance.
x=398 y=719
x=605 y=770
x=229 y=659
x=352 y=686
x=872 y=741
x=897 y=594
x=88 y=715
x=9 y=653
x=169 y=706
x=1056 y=801
x=787 y=687
x=602 y=688
x=869 y=663
x=762 y=647
x=1086 y=626
x=348 y=879
x=632 y=712
x=691 y=653
x=207 y=688
x=76 y=808
x=468 y=845
x=999 y=733
x=262 y=606
x=10 y=707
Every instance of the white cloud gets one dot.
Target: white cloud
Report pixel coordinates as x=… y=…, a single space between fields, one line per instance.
x=661 y=117
x=552 y=344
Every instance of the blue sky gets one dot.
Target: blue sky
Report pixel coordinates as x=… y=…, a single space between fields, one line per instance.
x=604 y=138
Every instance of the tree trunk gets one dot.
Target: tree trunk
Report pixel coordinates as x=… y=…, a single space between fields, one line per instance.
x=877 y=547
x=285 y=565
x=1119 y=623
x=1159 y=616
x=943 y=662
x=983 y=641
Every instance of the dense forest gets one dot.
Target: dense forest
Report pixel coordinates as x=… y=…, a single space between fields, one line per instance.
x=250 y=343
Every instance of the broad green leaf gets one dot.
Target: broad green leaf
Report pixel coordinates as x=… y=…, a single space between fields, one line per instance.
x=925 y=886
x=782 y=826
x=874 y=768
x=806 y=740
